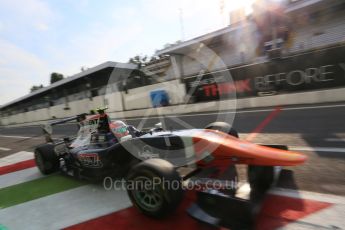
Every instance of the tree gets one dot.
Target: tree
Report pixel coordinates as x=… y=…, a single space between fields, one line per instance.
x=138 y=60
x=54 y=77
x=168 y=45
x=36 y=87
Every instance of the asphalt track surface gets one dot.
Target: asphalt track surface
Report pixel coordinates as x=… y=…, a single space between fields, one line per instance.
x=315 y=130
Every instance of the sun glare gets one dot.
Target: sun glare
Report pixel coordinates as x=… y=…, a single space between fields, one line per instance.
x=232 y=5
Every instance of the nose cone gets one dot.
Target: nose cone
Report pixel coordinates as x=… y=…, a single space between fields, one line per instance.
x=225 y=146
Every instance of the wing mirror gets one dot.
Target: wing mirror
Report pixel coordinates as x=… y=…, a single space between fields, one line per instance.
x=158 y=128
x=47 y=132
x=159 y=125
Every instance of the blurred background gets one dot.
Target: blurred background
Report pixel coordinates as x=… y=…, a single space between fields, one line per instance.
x=267 y=48
x=274 y=69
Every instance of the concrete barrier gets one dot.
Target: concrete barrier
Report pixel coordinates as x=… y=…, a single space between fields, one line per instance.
x=139 y=98
x=312 y=97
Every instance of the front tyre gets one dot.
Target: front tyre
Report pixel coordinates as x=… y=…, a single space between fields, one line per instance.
x=224 y=127
x=155 y=187
x=46 y=159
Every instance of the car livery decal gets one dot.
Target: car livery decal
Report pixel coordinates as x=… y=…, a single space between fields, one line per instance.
x=90 y=160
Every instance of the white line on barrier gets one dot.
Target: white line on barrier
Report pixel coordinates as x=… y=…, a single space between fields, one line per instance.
x=244 y=111
x=314 y=107
x=19 y=137
x=335 y=139
x=4 y=149
x=317 y=149
x=212 y=113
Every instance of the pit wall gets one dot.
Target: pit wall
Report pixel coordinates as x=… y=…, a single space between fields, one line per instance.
x=133 y=99
x=144 y=108
x=139 y=98
x=319 y=73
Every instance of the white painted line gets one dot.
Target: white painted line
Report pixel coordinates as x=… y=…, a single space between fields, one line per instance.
x=205 y=114
x=241 y=111
x=317 y=149
x=64 y=209
x=15 y=158
x=4 y=149
x=244 y=190
x=314 y=107
x=308 y=195
x=18 y=137
x=335 y=139
x=18 y=177
x=199 y=114
x=328 y=218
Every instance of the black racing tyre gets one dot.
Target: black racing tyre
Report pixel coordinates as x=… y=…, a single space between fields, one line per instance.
x=46 y=159
x=155 y=187
x=224 y=127
x=260 y=179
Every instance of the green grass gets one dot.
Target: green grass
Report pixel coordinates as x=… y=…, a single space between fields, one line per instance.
x=35 y=189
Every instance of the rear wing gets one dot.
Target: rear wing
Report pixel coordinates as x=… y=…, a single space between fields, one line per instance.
x=48 y=127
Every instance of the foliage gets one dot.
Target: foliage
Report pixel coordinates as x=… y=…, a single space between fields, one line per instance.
x=36 y=87
x=138 y=60
x=54 y=77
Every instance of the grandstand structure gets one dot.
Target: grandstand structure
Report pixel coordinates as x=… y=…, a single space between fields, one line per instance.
x=305 y=25
x=292 y=27
x=76 y=94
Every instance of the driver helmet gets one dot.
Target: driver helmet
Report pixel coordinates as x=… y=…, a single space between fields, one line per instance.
x=119 y=129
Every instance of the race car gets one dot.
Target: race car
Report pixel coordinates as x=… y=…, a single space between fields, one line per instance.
x=153 y=161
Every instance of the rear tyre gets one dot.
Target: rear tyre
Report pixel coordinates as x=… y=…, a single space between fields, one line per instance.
x=223 y=127
x=46 y=159
x=155 y=187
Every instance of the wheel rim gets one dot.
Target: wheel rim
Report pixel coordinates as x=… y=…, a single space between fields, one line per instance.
x=39 y=161
x=149 y=198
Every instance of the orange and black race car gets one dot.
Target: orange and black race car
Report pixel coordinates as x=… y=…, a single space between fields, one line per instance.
x=160 y=165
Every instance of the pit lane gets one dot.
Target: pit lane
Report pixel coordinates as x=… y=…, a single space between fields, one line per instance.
x=317 y=130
